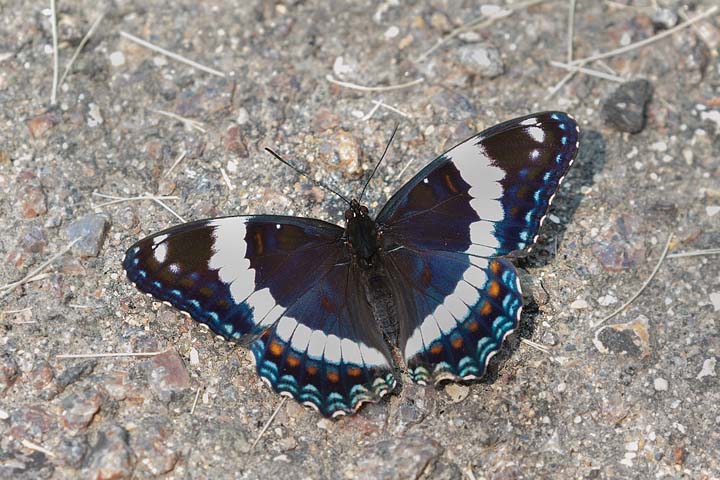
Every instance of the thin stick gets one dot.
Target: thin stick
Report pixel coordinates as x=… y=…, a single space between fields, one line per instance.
x=571 y=30
x=267 y=424
x=165 y=206
x=644 y=285
x=38 y=448
x=226 y=179
x=363 y=88
x=647 y=41
x=188 y=122
x=13 y=312
x=56 y=61
x=560 y=84
x=588 y=71
x=695 y=253
x=172 y=55
x=391 y=108
x=116 y=199
x=197 y=395
x=81 y=46
x=477 y=22
x=6 y=289
x=107 y=355
x=179 y=159
x=371 y=112
x=535 y=345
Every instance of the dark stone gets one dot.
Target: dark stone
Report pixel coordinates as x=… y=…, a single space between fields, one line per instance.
x=8 y=372
x=73 y=373
x=73 y=450
x=168 y=376
x=625 y=108
x=79 y=409
x=111 y=456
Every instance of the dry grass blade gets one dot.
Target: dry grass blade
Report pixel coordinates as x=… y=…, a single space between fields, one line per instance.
x=571 y=30
x=188 y=122
x=477 y=22
x=695 y=253
x=267 y=424
x=363 y=88
x=56 y=60
x=82 y=44
x=588 y=71
x=647 y=41
x=6 y=289
x=107 y=355
x=172 y=55
x=642 y=288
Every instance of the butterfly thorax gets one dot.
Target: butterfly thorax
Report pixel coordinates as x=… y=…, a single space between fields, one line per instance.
x=361 y=235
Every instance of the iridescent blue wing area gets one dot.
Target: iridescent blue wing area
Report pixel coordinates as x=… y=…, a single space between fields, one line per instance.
x=445 y=229
x=287 y=286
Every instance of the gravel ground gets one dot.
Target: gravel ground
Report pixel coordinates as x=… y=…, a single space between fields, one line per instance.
x=634 y=399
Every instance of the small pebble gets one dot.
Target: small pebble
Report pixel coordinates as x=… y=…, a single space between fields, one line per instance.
x=708 y=368
x=117 y=59
x=548 y=338
x=660 y=384
x=712 y=210
x=90 y=230
x=579 y=304
x=391 y=32
x=481 y=59
x=715 y=300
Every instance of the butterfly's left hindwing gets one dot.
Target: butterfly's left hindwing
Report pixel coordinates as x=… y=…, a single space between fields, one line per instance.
x=444 y=230
x=287 y=285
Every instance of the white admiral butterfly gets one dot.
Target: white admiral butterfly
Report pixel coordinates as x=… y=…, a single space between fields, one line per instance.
x=296 y=289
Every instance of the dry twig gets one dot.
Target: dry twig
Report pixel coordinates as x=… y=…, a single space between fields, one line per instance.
x=81 y=46
x=363 y=88
x=642 y=288
x=56 y=61
x=267 y=424
x=172 y=55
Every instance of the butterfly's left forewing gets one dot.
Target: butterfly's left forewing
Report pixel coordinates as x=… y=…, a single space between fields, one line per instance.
x=283 y=283
x=445 y=229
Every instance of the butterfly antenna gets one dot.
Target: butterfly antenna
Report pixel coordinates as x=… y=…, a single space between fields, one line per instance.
x=307 y=175
x=379 y=161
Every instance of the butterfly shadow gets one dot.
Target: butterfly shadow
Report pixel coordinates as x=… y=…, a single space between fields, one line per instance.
x=590 y=161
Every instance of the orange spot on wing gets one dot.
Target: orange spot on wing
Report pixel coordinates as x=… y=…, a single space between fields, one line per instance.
x=495 y=267
x=333 y=377
x=473 y=326
x=449 y=183
x=293 y=361
x=311 y=370
x=258 y=243
x=354 y=372
x=327 y=304
x=426 y=277
x=486 y=308
x=457 y=342
x=436 y=349
x=494 y=289
x=275 y=348
x=205 y=292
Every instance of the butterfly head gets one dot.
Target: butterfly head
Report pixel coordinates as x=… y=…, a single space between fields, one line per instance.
x=361 y=234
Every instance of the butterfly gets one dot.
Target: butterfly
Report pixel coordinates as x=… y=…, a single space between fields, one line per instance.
x=302 y=292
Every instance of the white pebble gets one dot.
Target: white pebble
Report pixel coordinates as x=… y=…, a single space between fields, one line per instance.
x=391 y=32
x=579 y=304
x=117 y=59
x=712 y=210
x=708 y=368
x=194 y=357
x=660 y=384
x=715 y=300
x=632 y=446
